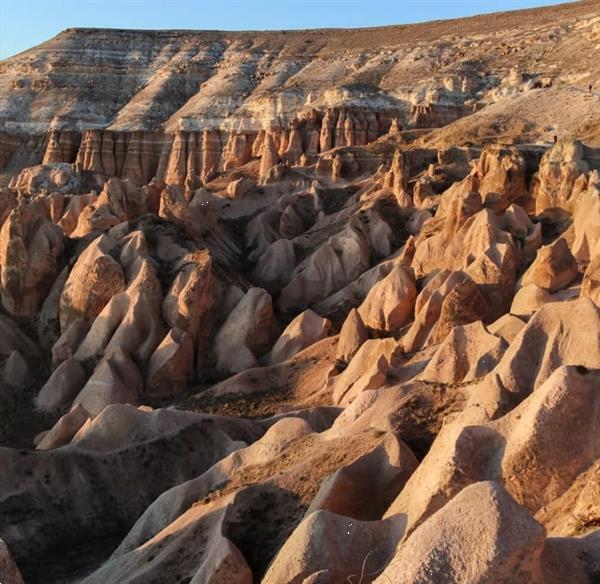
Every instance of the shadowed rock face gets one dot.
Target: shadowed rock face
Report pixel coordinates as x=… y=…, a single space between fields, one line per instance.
x=307 y=307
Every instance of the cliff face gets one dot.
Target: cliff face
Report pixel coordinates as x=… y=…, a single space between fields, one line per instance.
x=193 y=80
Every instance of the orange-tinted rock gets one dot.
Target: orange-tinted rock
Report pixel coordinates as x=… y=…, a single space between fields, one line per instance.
x=307 y=328
x=95 y=278
x=172 y=364
x=390 y=303
x=31 y=255
x=65 y=429
x=352 y=335
x=553 y=268
x=247 y=332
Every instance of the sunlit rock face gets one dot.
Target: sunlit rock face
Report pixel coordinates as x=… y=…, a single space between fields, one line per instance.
x=309 y=307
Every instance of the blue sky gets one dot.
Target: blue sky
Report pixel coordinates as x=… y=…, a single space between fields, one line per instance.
x=25 y=23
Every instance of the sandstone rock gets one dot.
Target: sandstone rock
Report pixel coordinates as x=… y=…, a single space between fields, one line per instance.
x=269 y=157
x=367 y=370
x=49 y=177
x=307 y=328
x=31 y=254
x=590 y=287
x=390 y=303
x=384 y=471
x=339 y=546
x=467 y=353
x=16 y=371
x=507 y=327
x=9 y=572
x=334 y=264
x=482 y=535
x=120 y=200
x=172 y=364
x=529 y=300
x=72 y=211
x=130 y=321
x=116 y=380
x=553 y=337
x=290 y=223
x=560 y=170
x=586 y=241
x=518 y=449
x=239 y=187
x=501 y=172
x=352 y=335
x=190 y=301
x=62 y=386
x=554 y=267
x=275 y=266
x=95 y=278
x=445 y=302
x=247 y=332
x=107 y=451
x=65 y=429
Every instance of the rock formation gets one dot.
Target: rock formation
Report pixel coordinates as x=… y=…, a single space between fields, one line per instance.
x=303 y=306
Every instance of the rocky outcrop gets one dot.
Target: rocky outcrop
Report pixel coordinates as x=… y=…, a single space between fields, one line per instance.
x=62 y=386
x=31 y=256
x=352 y=335
x=247 y=332
x=562 y=176
x=307 y=328
x=553 y=268
x=116 y=380
x=171 y=365
x=95 y=278
x=390 y=303
x=504 y=539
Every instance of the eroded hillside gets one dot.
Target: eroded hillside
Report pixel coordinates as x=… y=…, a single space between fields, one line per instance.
x=303 y=307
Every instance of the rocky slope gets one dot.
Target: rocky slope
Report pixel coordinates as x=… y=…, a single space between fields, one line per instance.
x=303 y=307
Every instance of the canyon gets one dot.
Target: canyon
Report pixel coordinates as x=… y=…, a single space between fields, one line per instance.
x=303 y=307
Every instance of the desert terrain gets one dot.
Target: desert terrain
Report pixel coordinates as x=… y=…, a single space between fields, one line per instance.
x=303 y=307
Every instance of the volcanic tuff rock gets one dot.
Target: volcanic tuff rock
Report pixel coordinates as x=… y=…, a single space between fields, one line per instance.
x=303 y=306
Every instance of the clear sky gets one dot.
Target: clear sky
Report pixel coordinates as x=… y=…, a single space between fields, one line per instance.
x=25 y=23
